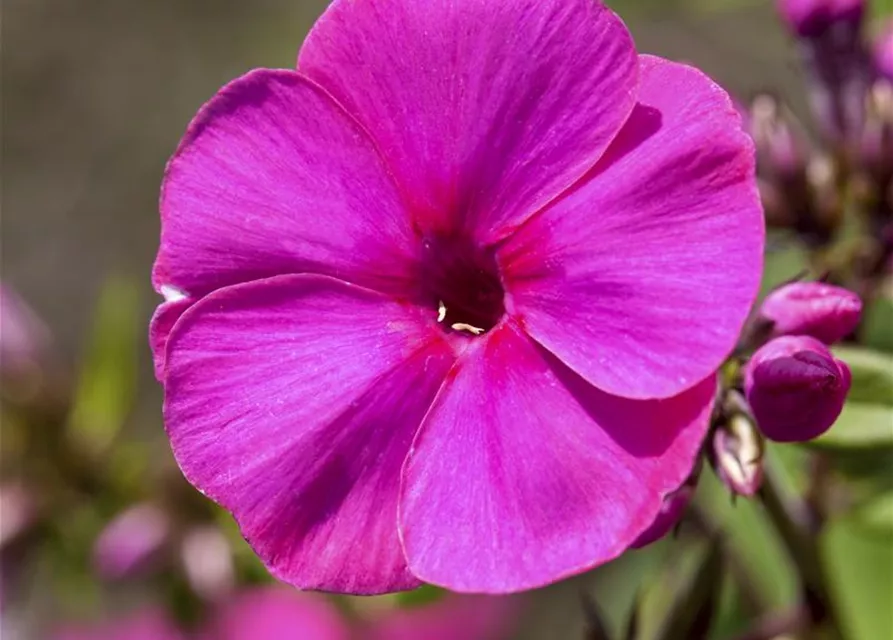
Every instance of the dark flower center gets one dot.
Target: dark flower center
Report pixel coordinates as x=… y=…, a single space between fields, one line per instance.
x=460 y=282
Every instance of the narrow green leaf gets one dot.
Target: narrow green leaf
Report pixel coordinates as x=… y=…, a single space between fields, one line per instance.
x=872 y=374
x=860 y=570
x=596 y=628
x=860 y=426
x=107 y=382
x=752 y=542
x=695 y=606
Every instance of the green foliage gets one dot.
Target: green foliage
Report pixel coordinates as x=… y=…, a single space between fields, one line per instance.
x=860 y=570
x=107 y=383
x=860 y=426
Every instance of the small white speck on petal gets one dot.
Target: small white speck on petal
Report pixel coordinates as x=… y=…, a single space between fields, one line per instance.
x=172 y=293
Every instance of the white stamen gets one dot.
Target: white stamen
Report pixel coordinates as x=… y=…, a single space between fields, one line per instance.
x=441 y=311
x=461 y=326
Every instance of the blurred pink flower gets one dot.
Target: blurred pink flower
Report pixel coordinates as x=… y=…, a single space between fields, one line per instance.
x=149 y=624
x=451 y=618
x=130 y=542
x=275 y=613
x=444 y=304
x=796 y=388
x=816 y=309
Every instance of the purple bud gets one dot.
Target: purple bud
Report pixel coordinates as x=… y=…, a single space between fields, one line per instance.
x=815 y=309
x=795 y=388
x=130 y=542
x=883 y=53
x=671 y=512
x=737 y=455
x=811 y=18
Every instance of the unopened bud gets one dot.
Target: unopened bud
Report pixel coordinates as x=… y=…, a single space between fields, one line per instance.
x=780 y=146
x=737 y=455
x=837 y=63
x=23 y=337
x=810 y=18
x=815 y=309
x=130 y=542
x=671 y=512
x=796 y=388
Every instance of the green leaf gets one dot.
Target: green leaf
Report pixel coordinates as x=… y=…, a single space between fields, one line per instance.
x=107 y=382
x=753 y=543
x=860 y=426
x=872 y=374
x=876 y=322
x=694 y=607
x=860 y=572
x=876 y=514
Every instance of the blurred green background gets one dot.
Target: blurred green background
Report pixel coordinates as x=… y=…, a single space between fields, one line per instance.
x=96 y=94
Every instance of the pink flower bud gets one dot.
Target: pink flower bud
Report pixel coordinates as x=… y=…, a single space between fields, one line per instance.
x=795 y=388
x=815 y=309
x=23 y=337
x=674 y=507
x=737 y=455
x=130 y=542
x=810 y=18
x=781 y=147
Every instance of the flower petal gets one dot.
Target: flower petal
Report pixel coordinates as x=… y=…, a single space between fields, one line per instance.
x=523 y=474
x=292 y=402
x=641 y=279
x=484 y=110
x=272 y=178
x=163 y=320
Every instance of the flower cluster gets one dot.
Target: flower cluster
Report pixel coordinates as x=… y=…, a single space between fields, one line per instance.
x=446 y=302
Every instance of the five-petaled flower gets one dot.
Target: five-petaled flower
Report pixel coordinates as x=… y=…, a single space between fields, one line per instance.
x=444 y=304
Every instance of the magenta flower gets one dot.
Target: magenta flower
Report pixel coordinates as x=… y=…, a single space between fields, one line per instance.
x=796 y=388
x=444 y=304
x=816 y=309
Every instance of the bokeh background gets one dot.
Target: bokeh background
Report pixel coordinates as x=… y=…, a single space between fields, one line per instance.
x=95 y=96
